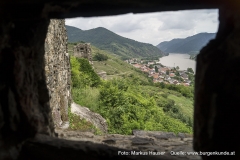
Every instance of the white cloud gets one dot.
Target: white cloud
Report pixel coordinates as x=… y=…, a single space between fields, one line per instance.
x=153 y=27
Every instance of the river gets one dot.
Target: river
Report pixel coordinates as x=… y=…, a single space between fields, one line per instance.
x=180 y=60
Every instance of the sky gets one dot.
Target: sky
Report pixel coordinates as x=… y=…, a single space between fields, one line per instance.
x=153 y=27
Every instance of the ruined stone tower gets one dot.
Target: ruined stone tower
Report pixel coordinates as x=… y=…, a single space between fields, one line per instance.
x=83 y=50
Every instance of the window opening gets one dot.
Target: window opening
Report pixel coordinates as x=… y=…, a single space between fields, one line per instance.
x=140 y=79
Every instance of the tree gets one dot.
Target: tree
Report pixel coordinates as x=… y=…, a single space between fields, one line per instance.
x=75 y=73
x=191 y=77
x=156 y=69
x=178 y=78
x=177 y=73
x=87 y=74
x=177 y=68
x=167 y=72
x=100 y=57
x=190 y=70
x=151 y=66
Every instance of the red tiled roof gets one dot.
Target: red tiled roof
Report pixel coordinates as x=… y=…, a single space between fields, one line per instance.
x=175 y=82
x=164 y=69
x=155 y=76
x=185 y=84
x=171 y=74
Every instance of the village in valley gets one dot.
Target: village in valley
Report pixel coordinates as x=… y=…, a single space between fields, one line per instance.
x=164 y=74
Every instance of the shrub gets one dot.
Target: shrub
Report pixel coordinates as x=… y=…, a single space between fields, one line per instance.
x=186 y=91
x=185 y=119
x=165 y=95
x=190 y=70
x=75 y=73
x=126 y=108
x=100 y=57
x=88 y=97
x=83 y=74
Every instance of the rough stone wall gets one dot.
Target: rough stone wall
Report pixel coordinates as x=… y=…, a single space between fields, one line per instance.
x=24 y=107
x=83 y=50
x=57 y=68
x=77 y=145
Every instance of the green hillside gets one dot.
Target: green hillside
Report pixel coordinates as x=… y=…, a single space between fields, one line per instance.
x=128 y=99
x=109 y=41
x=192 y=44
x=114 y=66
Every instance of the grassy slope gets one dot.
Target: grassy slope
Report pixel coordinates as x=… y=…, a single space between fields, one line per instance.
x=185 y=104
